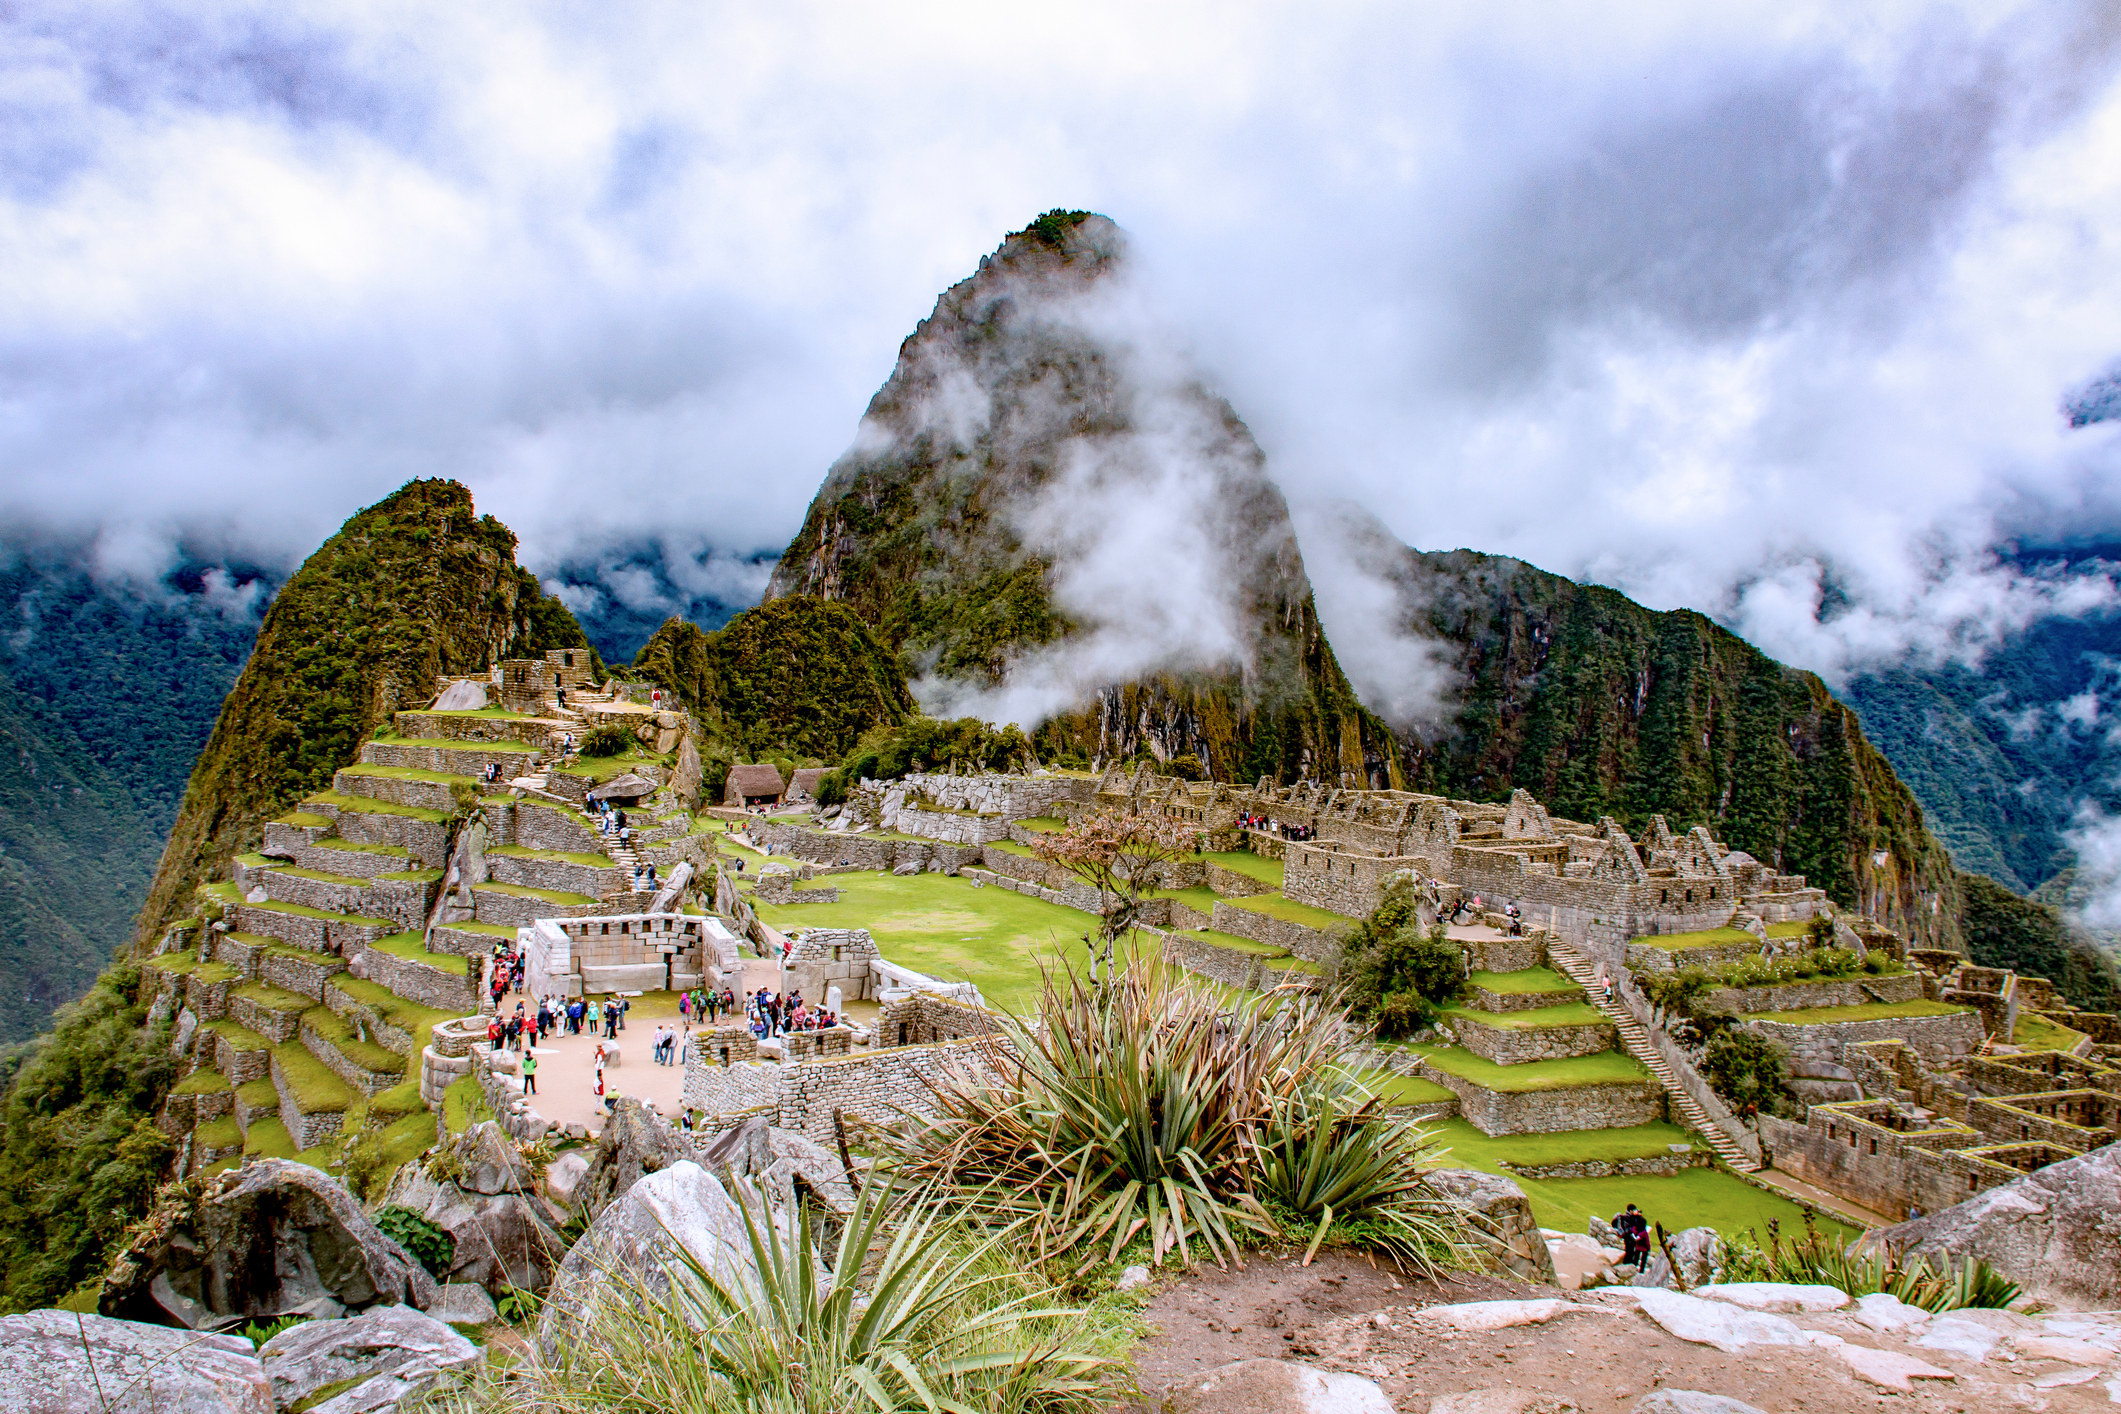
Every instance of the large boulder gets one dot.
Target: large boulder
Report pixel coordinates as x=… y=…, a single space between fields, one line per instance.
x=1699 y=1251
x=2056 y=1232
x=637 y=1245
x=481 y=1190
x=636 y=1142
x=367 y=1362
x=786 y=1164
x=272 y=1238
x=1498 y=1220
x=57 y=1362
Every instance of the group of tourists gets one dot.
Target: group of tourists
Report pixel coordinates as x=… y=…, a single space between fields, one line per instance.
x=668 y=1045
x=706 y=1006
x=506 y=974
x=1272 y=826
x=611 y=820
x=772 y=1014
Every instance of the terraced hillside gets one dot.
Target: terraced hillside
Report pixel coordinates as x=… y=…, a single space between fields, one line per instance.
x=313 y=978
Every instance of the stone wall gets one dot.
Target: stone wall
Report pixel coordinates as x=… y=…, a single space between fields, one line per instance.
x=327 y=935
x=445 y=983
x=1648 y=957
x=878 y=1087
x=1231 y=884
x=713 y=1088
x=451 y=760
x=308 y=1130
x=1517 y=954
x=1795 y=996
x=1517 y=1045
x=1233 y=967
x=952 y=826
x=275 y=1026
x=1938 y=1037
x=301 y=973
x=823 y=958
x=427 y=841
x=239 y=1065
x=1500 y=1002
x=1306 y=942
x=561 y=875
x=457 y=726
x=919 y=1018
x=1618 y=1105
x=1653 y=1166
x=554 y=828
x=1881 y=1168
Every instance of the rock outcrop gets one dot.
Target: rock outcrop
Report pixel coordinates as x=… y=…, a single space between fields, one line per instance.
x=1277 y=1387
x=58 y=1362
x=2055 y=1232
x=1499 y=1220
x=481 y=1190
x=272 y=1238
x=365 y=1363
x=634 y=1144
x=639 y=1244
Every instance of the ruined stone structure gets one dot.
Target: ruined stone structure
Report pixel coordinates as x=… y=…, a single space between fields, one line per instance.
x=627 y=952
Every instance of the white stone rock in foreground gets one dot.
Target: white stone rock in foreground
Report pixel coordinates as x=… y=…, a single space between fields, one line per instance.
x=391 y=1353
x=125 y=1368
x=1784 y=1298
x=1883 y=1311
x=1889 y=1369
x=1728 y=1328
x=1493 y=1315
x=1277 y=1387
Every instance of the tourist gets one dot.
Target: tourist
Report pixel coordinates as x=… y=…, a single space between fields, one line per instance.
x=530 y=1075
x=1634 y=1230
x=494 y=1034
x=685 y=1007
x=729 y=1001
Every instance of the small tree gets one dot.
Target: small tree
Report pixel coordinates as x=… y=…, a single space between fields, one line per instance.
x=1394 y=972
x=1120 y=855
x=1747 y=1069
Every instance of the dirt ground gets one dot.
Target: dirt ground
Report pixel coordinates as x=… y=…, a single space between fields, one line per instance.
x=1600 y=1357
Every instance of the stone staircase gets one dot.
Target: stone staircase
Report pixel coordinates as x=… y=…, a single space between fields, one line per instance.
x=1571 y=963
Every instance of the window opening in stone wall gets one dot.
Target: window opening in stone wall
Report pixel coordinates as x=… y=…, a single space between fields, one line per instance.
x=1874 y=1146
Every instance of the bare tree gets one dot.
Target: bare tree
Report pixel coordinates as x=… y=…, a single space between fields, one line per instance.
x=1122 y=856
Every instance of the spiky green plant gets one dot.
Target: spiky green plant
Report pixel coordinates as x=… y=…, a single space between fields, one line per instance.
x=913 y=1312
x=1331 y=1151
x=1146 y=1108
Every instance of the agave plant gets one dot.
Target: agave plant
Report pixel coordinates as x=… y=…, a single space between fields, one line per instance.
x=914 y=1312
x=1330 y=1150
x=1152 y=1106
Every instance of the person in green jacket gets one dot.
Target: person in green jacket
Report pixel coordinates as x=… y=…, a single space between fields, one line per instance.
x=530 y=1074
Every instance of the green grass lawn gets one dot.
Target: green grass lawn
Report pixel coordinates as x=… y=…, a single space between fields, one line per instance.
x=1405 y=1089
x=610 y=768
x=304 y=818
x=272 y=998
x=1021 y=851
x=1870 y=1011
x=316 y=1088
x=1275 y=906
x=369 y=805
x=515 y=748
x=239 y=1036
x=201 y=1082
x=1043 y=824
x=2036 y=1032
x=405 y=1015
x=942 y=926
x=1567 y=1014
x=1607 y=1067
x=319 y=876
x=1531 y=979
x=268 y=1139
x=1201 y=900
x=223 y=1133
x=260 y=1094
x=1489 y=1153
x=413 y=947
x=338 y=1033
x=1245 y=862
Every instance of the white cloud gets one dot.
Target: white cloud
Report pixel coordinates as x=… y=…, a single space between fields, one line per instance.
x=1760 y=308
x=2096 y=838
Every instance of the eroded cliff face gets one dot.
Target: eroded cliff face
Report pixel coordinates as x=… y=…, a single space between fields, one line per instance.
x=1053 y=521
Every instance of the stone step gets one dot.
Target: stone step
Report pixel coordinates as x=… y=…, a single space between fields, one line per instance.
x=333 y=855
x=400 y=785
x=424 y=834
x=511 y=906
x=273 y=1012
x=256 y=1100
x=368 y=1066
x=314 y=930
x=453 y=758
x=290 y=832
x=237 y=1051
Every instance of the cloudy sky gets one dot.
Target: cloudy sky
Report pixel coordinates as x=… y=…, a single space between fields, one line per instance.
x=1752 y=307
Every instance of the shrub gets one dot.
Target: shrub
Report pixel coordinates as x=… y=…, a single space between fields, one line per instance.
x=1746 y=1069
x=1395 y=973
x=941 y=1318
x=1138 y=1107
x=258 y=1332
x=832 y=788
x=1329 y=1152
x=430 y=1245
x=1876 y=961
x=1816 y=1260
x=607 y=740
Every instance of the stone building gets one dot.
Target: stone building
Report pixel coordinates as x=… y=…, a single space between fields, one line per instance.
x=534 y=685
x=635 y=952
